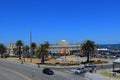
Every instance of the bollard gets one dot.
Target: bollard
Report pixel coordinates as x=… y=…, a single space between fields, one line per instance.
x=38 y=65
x=22 y=62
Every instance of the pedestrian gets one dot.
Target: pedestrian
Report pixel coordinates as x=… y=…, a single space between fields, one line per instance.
x=95 y=69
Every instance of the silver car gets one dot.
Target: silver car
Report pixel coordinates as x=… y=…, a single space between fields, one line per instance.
x=80 y=70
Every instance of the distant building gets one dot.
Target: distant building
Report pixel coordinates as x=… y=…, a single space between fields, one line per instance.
x=64 y=48
x=102 y=49
x=10 y=47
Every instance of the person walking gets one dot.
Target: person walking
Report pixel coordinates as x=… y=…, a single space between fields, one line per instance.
x=95 y=69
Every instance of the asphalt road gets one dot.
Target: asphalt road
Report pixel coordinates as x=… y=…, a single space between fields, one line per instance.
x=35 y=73
x=7 y=74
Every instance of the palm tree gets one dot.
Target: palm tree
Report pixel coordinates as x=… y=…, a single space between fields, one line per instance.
x=26 y=48
x=14 y=50
x=33 y=46
x=88 y=47
x=42 y=51
x=2 y=49
x=19 y=45
x=46 y=44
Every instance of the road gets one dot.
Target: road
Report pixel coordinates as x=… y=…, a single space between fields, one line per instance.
x=7 y=74
x=35 y=73
x=31 y=71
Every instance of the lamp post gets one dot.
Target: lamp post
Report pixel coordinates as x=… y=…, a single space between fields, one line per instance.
x=65 y=54
x=30 y=46
x=21 y=55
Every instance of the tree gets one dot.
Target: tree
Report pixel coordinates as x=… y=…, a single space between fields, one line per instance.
x=2 y=49
x=33 y=46
x=42 y=51
x=88 y=47
x=46 y=44
x=26 y=48
x=14 y=50
x=19 y=45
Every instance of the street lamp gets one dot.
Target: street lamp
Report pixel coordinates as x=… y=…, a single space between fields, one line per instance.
x=65 y=54
x=30 y=46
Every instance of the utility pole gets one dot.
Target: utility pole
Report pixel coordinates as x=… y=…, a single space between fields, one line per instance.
x=30 y=46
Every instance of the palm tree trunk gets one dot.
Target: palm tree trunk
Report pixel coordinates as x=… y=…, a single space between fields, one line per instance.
x=88 y=57
x=19 y=53
x=42 y=59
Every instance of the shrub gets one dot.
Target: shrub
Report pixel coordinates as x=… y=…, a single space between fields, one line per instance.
x=99 y=61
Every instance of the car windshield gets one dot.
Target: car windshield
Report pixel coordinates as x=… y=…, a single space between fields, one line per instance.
x=80 y=68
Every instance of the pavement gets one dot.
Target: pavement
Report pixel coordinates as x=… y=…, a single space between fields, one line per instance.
x=99 y=76
x=11 y=75
x=88 y=76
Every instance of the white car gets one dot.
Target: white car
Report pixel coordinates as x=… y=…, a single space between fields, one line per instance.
x=79 y=70
x=12 y=55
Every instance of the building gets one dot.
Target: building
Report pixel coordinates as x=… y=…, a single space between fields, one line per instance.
x=64 y=48
x=10 y=48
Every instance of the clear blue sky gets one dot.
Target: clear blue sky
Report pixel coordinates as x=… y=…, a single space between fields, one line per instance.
x=54 y=20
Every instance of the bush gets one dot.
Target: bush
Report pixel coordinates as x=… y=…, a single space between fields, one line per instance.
x=57 y=63
x=69 y=64
x=99 y=61
x=91 y=61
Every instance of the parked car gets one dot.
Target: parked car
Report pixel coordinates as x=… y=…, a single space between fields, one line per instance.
x=48 y=71
x=6 y=55
x=117 y=55
x=12 y=55
x=79 y=70
x=89 y=65
x=112 y=56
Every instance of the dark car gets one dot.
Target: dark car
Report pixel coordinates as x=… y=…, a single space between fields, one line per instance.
x=48 y=71
x=88 y=65
x=117 y=55
x=6 y=55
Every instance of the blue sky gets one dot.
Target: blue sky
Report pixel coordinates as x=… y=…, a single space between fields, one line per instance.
x=55 y=20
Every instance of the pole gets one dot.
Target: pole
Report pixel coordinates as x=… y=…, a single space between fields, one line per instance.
x=65 y=54
x=113 y=66
x=30 y=46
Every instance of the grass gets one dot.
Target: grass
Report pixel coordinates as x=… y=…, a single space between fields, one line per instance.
x=109 y=75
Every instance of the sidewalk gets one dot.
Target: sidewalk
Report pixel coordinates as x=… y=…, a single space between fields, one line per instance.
x=99 y=76
x=95 y=76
